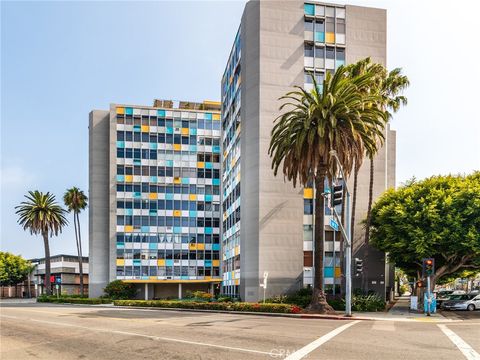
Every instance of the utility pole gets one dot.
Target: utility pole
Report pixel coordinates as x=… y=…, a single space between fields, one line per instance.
x=347 y=236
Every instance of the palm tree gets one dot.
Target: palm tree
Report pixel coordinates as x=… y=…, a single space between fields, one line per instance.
x=75 y=200
x=340 y=118
x=392 y=85
x=41 y=214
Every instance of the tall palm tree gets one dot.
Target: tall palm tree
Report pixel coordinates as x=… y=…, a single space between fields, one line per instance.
x=341 y=118
x=41 y=214
x=392 y=85
x=75 y=200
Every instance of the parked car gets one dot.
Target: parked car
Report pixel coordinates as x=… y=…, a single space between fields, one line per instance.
x=442 y=296
x=462 y=302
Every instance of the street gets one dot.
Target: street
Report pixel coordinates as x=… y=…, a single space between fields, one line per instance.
x=47 y=331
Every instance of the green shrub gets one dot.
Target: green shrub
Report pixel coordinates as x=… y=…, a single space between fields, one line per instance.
x=224 y=299
x=371 y=302
x=73 y=300
x=202 y=295
x=227 y=306
x=119 y=290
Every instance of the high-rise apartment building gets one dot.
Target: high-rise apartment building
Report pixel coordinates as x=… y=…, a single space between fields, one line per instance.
x=268 y=224
x=154 y=191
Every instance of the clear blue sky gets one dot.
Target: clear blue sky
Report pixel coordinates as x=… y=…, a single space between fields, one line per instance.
x=59 y=60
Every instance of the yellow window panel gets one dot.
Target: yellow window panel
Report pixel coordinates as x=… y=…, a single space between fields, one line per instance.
x=216 y=262
x=177 y=147
x=192 y=197
x=128 y=178
x=161 y=262
x=120 y=262
x=330 y=37
x=145 y=128
x=200 y=164
x=208 y=278
x=177 y=213
x=153 y=195
x=237 y=250
x=338 y=272
x=237 y=282
x=216 y=116
x=184 y=131
x=177 y=180
x=153 y=278
x=193 y=246
x=128 y=228
x=308 y=193
x=120 y=110
x=200 y=246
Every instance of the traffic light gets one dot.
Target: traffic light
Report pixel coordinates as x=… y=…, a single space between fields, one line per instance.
x=337 y=195
x=420 y=284
x=429 y=266
x=358 y=266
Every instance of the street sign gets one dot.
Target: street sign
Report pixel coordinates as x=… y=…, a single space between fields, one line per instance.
x=333 y=224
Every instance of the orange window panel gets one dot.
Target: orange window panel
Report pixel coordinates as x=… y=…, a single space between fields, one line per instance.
x=128 y=178
x=216 y=117
x=120 y=110
x=330 y=37
x=153 y=195
x=192 y=197
x=216 y=262
x=161 y=262
x=128 y=228
x=200 y=246
x=177 y=180
x=338 y=272
x=200 y=164
x=177 y=147
x=145 y=128
x=120 y=262
x=177 y=213
x=308 y=193
x=193 y=246
x=184 y=131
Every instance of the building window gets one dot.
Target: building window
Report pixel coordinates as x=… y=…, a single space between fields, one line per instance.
x=309 y=9
x=308 y=25
x=308 y=50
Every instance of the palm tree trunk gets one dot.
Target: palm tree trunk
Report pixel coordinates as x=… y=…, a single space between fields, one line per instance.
x=48 y=286
x=367 y=227
x=79 y=246
x=319 y=302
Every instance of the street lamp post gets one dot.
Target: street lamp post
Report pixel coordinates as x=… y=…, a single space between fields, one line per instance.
x=348 y=244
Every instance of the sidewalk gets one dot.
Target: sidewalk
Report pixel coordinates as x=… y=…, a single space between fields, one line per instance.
x=401 y=312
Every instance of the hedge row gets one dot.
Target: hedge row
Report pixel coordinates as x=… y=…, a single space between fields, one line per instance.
x=73 y=300
x=236 y=306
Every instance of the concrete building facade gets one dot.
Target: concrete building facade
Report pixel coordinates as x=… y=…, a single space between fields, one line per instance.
x=268 y=224
x=155 y=197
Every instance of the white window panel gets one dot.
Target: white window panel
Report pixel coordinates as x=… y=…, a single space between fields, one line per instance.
x=308 y=87
x=145 y=146
x=319 y=63
x=177 y=196
x=136 y=245
x=308 y=61
x=185 y=247
x=308 y=35
x=153 y=129
x=340 y=13
x=319 y=10
x=192 y=115
x=128 y=262
x=168 y=113
x=200 y=116
x=128 y=127
x=137 y=112
x=307 y=245
x=328 y=280
x=330 y=64
x=340 y=38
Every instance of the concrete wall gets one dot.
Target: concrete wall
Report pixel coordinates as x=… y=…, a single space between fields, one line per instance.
x=272 y=210
x=98 y=220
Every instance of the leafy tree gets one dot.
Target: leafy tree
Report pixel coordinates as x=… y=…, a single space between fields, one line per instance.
x=438 y=217
x=13 y=269
x=76 y=201
x=119 y=290
x=341 y=117
x=41 y=214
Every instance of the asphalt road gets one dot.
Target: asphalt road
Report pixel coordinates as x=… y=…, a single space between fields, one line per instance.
x=47 y=331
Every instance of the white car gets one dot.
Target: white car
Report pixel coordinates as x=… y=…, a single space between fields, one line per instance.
x=462 y=302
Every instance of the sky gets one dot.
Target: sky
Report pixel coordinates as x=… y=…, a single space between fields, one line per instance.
x=60 y=60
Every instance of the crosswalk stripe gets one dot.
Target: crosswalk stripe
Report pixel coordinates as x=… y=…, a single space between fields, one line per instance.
x=466 y=349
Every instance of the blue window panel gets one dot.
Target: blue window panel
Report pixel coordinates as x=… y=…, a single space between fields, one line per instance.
x=309 y=9
x=208 y=197
x=169 y=163
x=193 y=213
x=177 y=230
x=120 y=178
x=153 y=179
x=208 y=230
x=208 y=116
x=120 y=245
x=137 y=262
x=161 y=113
x=216 y=181
x=168 y=196
x=144 y=277
x=319 y=36
x=169 y=262
x=340 y=63
x=216 y=149
x=120 y=144
x=145 y=229
x=152 y=212
x=215 y=246
x=208 y=165
x=193 y=147
x=320 y=88
x=152 y=246
x=136 y=128
x=153 y=146
x=193 y=131
x=129 y=111
x=128 y=211
x=184 y=278
x=328 y=272
x=137 y=195
x=208 y=263
x=169 y=130
x=185 y=180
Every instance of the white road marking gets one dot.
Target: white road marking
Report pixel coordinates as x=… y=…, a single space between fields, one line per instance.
x=297 y=355
x=466 y=349
x=158 y=338
x=383 y=326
